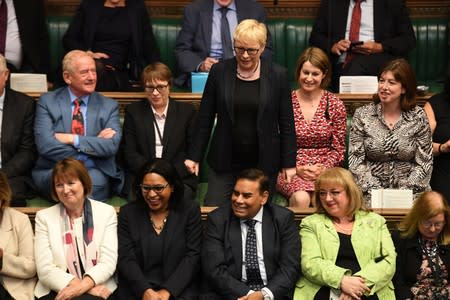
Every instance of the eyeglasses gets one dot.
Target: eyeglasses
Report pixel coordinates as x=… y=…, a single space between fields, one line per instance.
x=156 y=188
x=437 y=225
x=333 y=193
x=250 y=51
x=159 y=88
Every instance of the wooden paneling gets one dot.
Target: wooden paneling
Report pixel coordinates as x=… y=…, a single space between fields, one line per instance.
x=275 y=8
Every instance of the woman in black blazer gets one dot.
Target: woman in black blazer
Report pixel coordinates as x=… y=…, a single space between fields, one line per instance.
x=250 y=97
x=159 y=239
x=119 y=35
x=423 y=250
x=158 y=127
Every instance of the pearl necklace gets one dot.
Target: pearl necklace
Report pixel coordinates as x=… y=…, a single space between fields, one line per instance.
x=342 y=228
x=250 y=75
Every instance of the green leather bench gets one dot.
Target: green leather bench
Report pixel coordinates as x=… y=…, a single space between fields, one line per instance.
x=290 y=38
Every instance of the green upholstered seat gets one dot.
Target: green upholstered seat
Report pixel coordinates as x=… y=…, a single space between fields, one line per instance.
x=166 y=31
x=429 y=58
x=290 y=37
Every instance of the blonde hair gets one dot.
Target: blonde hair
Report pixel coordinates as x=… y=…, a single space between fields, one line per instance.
x=344 y=178
x=71 y=57
x=250 y=30
x=428 y=205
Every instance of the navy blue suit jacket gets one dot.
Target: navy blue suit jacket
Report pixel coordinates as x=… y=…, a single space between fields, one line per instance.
x=193 y=42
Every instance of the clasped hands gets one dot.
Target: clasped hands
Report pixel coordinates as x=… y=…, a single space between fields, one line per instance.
x=78 y=287
x=253 y=296
x=367 y=48
x=353 y=288
x=310 y=172
x=151 y=294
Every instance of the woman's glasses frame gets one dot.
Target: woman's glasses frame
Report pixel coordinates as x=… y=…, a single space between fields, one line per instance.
x=156 y=188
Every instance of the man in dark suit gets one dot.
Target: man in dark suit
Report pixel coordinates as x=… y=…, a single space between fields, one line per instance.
x=27 y=41
x=386 y=33
x=198 y=45
x=225 y=257
x=95 y=145
x=18 y=151
x=158 y=127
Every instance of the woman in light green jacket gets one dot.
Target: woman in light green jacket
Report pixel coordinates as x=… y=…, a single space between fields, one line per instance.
x=347 y=251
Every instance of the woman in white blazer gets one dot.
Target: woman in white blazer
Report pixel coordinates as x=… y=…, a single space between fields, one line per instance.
x=17 y=267
x=76 y=239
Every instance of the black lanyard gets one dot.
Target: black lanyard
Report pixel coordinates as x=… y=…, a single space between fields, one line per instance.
x=157 y=129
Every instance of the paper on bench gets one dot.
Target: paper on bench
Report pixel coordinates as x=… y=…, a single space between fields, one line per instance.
x=27 y=82
x=358 y=84
x=391 y=198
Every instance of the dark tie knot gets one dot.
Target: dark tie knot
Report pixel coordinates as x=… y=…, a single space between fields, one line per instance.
x=358 y=2
x=225 y=9
x=250 y=223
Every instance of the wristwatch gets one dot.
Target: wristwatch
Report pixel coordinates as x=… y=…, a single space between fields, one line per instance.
x=266 y=295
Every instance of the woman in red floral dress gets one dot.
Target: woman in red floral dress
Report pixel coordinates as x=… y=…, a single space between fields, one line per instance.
x=320 y=127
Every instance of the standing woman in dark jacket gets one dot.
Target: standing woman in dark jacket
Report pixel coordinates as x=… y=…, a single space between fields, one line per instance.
x=250 y=98
x=119 y=35
x=422 y=243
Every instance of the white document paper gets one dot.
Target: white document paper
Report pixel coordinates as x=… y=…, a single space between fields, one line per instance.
x=392 y=198
x=27 y=82
x=358 y=84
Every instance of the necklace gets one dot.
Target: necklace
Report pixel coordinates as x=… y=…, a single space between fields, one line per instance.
x=160 y=227
x=343 y=228
x=315 y=99
x=250 y=75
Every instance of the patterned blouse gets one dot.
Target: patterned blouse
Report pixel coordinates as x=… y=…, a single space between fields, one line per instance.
x=380 y=157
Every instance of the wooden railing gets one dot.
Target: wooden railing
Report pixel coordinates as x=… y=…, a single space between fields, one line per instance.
x=351 y=101
x=393 y=215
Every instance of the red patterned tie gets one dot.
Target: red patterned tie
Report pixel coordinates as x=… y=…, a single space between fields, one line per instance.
x=77 y=118
x=3 y=24
x=354 y=28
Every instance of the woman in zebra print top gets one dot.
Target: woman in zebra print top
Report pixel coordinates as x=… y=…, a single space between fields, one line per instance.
x=390 y=139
